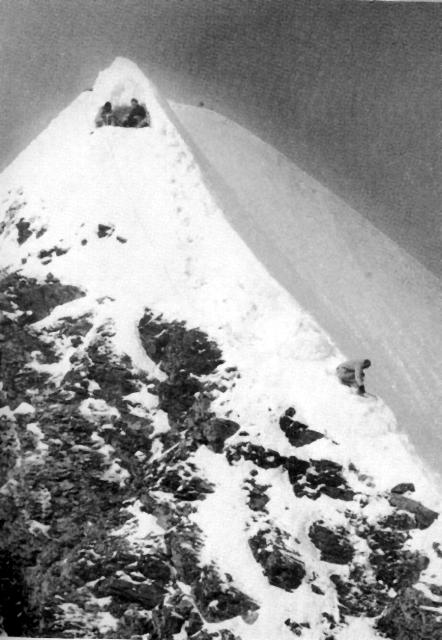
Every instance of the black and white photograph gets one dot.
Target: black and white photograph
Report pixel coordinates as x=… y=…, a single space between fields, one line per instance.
x=221 y=319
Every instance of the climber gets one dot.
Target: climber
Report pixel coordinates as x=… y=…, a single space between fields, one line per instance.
x=105 y=116
x=351 y=373
x=287 y=423
x=138 y=116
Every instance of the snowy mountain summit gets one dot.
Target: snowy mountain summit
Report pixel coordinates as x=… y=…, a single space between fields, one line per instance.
x=147 y=357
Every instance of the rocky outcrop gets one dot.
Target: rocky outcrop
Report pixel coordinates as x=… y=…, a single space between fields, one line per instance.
x=222 y=634
x=275 y=552
x=264 y=458
x=183 y=482
x=105 y=230
x=423 y=516
x=177 y=349
x=393 y=569
x=399 y=568
x=81 y=456
x=147 y=595
x=318 y=477
x=403 y=487
x=217 y=599
x=297 y=433
x=177 y=395
x=333 y=544
x=304 y=437
x=309 y=478
x=360 y=595
x=24 y=230
x=9 y=448
x=35 y=299
x=184 y=543
x=257 y=497
x=296 y=627
x=216 y=431
x=412 y=616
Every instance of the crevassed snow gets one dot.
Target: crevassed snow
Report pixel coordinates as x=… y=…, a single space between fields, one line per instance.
x=183 y=260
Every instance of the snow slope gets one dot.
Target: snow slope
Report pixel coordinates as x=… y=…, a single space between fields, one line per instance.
x=364 y=290
x=168 y=246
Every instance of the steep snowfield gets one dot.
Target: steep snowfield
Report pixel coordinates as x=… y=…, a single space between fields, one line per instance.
x=166 y=245
x=366 y=292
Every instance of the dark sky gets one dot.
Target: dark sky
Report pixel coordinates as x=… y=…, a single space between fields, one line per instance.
x=349 y=90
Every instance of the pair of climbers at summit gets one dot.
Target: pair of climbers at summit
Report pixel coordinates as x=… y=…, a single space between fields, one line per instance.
x=135 y=116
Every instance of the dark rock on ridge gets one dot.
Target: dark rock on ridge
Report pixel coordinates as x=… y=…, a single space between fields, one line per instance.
x=333 y=545
x=11 y=215
x=37 y=299
x=296 y=469
x=105 y=230
x=257 y=498
x=113 y=375
x=304 y=437
x=177 y=395
x=274 y=550
x=184 y=483
x=406 y=619
x=399 y=520
x=359 y=595
x=264 y=458
x=296 y=627
x=398 y=568
x=223 y=634
x=217 y=599
x=297 y=433
x=177 y=349
x=309 y=478
x=393 y=569
x=184 y=543
x=216 y=431
x=147 y=595
x=46 y=255
x=24 y=230
x=178 y=613
x=424 y=516
x=403 y=487
x=316 y=477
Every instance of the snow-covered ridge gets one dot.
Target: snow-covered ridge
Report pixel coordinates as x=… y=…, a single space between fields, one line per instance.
x=146 y=186
x=125 y=215
x=362 y=287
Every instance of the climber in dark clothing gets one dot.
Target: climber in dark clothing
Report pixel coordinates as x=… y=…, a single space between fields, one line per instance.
x=138 y=115
x=105 y=116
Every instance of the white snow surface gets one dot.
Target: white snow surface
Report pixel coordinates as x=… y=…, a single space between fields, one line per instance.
x=365 y=290
x=181 y=258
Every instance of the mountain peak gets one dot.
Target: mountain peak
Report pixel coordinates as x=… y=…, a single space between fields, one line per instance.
x=149 y=483
x=122 y=81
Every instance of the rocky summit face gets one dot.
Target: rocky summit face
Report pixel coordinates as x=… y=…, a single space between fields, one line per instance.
x=149 y=486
